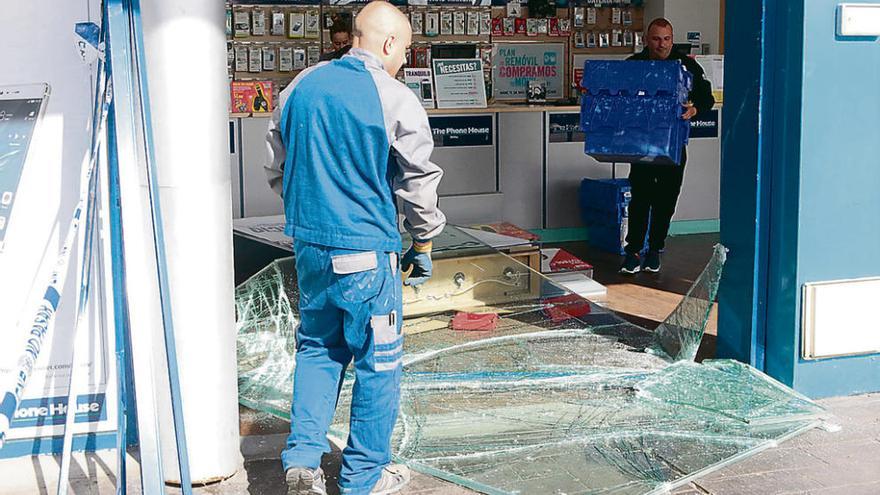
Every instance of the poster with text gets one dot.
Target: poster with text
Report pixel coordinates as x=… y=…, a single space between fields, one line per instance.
x=713 y=66
x=419 y=81
x=252 y=97
x=459 y=83
x=515 y=64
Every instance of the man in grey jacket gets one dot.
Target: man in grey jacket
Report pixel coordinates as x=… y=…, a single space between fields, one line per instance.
x=353 y=139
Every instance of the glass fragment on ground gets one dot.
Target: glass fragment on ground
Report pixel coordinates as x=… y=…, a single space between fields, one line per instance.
x=562 y=396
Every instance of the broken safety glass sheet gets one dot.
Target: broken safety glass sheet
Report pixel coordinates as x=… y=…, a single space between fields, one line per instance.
x=739 y=392
x=552 y=394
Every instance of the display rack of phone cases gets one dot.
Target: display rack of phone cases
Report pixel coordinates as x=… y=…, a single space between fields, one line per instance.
x=272 y=42
x=276 y=41
x=604 y=27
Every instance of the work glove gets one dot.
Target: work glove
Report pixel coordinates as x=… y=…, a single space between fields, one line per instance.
x=418 y=257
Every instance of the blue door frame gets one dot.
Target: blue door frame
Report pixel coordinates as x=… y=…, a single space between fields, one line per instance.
x=775 y=186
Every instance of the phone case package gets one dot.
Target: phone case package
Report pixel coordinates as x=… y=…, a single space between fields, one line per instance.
x=255 y=59
x=459 y=24
x=258 y=22
x=268 y=58
x=313 y=55
x=297 y=25
x=432 y=23
x=485 y=23
x=313 y=28
x=299 y=59
x=241 y=23
x=415 y=19
x=445 y=23
x=277 y=24
x=285 y=59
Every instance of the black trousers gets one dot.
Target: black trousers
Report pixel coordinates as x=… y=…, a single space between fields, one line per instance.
x=655 y=190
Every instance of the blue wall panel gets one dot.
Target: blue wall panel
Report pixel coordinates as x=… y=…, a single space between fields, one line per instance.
x=784 y=88
x=840 y=152
x=839 y=210
x=800 y=183
x=740 y=164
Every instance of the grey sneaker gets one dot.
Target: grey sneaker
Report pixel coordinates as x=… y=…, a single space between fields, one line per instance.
x=394 y=478
x=305 y=481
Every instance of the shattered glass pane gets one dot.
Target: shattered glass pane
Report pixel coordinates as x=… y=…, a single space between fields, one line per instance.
x=739 y=392
x=559 y=396
x=679 y=336
x=266 y=320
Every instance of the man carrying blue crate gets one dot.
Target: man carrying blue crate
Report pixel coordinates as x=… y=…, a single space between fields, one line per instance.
x=655 y=188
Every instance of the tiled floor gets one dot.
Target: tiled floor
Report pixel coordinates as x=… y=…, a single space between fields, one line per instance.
x=844 y=462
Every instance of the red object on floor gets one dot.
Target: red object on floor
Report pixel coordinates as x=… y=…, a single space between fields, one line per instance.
x=474 y=321
x=566 y=307
x=555 y=260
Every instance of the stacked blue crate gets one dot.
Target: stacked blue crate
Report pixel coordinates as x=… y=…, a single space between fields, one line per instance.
x=631 y=111
x=604 y=210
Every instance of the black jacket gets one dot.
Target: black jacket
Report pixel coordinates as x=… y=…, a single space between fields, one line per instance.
x=335 y=54
x=701 y=93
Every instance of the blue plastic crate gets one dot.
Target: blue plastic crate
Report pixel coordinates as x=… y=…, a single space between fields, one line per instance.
x=604 y=210
x=604 y=194
x=610 y=238
x=592 y=217
x=604 y=201
x=637 y=78
x=632 y=111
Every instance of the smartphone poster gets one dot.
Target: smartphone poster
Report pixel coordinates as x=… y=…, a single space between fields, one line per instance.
x=421 y=83
x=18 y=120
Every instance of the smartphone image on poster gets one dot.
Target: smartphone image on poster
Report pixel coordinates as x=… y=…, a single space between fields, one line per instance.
x=427 y=92
x=21 y=110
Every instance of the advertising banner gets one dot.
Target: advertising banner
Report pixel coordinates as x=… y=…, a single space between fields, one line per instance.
x=252 y=97
x=420 y=82
x=515 y=64
x=18 y=119
x=705 y=125
x=460 y=83
x=566 y=128
x=462 y=130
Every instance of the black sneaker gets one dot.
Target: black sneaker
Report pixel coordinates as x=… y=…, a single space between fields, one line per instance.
x=631 y=264
x=652 y=262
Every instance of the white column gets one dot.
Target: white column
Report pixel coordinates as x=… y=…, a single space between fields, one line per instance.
x=185 y=44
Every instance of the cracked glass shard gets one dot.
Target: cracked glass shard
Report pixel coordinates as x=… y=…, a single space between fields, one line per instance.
x=560 y=396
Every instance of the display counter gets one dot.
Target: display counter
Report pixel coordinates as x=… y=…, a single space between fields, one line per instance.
x=511 y=162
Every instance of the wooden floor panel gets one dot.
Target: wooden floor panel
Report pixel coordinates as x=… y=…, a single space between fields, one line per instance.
x=646 y=299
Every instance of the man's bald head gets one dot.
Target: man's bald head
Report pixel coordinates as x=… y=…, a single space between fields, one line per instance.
x=383 y=30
